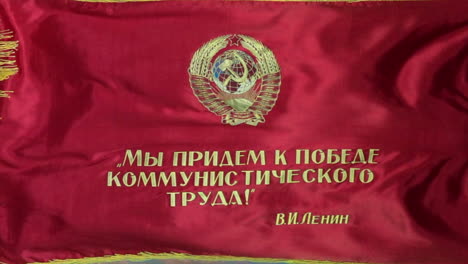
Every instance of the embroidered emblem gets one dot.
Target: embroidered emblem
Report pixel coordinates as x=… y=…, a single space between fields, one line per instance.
x=236 y=77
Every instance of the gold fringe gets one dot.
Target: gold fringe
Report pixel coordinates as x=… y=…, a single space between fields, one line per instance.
x=146 y=256
x=5 y=94
x=8 y=66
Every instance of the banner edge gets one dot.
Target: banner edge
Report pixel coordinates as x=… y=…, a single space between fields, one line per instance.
x=145 y=256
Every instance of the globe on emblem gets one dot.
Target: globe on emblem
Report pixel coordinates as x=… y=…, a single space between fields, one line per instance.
x=236 y=77
x=234 y=72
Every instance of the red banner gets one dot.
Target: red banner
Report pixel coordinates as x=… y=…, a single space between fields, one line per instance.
x=282 y=130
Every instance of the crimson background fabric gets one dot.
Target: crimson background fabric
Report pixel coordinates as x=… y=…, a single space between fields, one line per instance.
x=97 y=79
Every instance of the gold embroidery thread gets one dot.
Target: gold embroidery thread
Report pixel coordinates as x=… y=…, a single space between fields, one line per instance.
x=236 y=77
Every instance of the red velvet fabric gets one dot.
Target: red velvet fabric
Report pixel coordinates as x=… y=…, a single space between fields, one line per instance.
x=99 y=78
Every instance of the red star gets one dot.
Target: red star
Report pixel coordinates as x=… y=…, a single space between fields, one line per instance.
x=234 y=40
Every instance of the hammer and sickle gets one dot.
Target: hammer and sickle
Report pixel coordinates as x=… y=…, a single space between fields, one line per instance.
x=226 y=66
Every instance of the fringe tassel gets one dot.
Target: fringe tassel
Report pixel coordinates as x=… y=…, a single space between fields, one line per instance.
x=147 y=256
x=5 y=94
x=8 y=66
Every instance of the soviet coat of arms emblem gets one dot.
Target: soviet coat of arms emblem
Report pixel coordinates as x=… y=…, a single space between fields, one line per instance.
x=236 y=77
